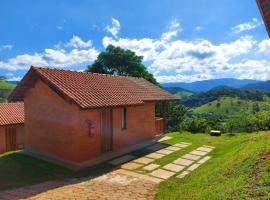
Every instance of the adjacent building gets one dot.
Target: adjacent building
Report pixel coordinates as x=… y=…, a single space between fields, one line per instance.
x=11 y=126
x=264 y=6
x=78 y=119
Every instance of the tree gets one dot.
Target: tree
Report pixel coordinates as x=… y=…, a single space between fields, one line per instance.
x=175 y=116
x=118 y=61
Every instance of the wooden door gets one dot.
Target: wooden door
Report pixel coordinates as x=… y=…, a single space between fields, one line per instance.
x=106 y=129
x=11 y=139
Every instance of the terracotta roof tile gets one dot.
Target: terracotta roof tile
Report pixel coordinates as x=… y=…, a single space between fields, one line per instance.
x=90 y=90
x=11 y=113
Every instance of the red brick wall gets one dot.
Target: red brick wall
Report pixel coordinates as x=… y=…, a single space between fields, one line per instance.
x=20 y=136
x=140 y=125
x=2 y=140
x=58 y=128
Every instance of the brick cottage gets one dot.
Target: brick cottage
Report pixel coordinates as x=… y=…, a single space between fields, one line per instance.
x=78 y=119
x=11 y=126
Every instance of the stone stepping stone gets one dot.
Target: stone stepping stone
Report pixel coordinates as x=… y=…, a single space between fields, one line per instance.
x=172 y=148
x=144 y=160
x=211 y=147
x=182 y=161
x=204 y=149
x=191 y=157
x=151 y=167
x=121 y=160
x=137 y=175
x=173 y=167
x=131 y=166
x=155 y=155
x=164 y=151
x=183 y=174
x=198 y=153
x=180 y=145
x=163 y=174
x=187 y=143
x=156 y=147
x=193 y=167
x=165 y=138
x=204 y=159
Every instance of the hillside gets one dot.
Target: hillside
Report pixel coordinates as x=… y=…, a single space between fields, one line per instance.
x=264 y=86
x=232 y=106
x=216 y=93
x=5 y=90
x=6 y=86
x=179 y=92
x=203 y=86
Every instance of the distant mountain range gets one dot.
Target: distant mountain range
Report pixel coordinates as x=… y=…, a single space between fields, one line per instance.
x=202 y=86
x=264 y=86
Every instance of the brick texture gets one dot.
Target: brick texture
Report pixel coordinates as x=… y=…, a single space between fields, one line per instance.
x=58 y=128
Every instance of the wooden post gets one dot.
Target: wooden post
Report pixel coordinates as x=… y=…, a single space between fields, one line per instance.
x=163 y=114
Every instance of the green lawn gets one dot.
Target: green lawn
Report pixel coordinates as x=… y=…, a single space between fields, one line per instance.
x=239 y=169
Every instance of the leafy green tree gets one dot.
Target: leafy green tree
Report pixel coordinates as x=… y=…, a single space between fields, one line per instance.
x=118 y=61
x=195 y=125
x=175 y=116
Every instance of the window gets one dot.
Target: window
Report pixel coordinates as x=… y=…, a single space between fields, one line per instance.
x=123 y=118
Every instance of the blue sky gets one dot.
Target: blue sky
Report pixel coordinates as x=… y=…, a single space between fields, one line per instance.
x=180 y=40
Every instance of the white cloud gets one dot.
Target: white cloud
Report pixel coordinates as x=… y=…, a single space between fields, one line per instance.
x=77 y=42
x=6 y=47
x=51 y=57
x=174 y=29
x=246 y=26
x=171 y=60
x=264 y=47
x=168 y=58
x=114 y=28
x=198 y=28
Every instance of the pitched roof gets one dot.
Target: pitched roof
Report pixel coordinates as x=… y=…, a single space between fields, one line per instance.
x=11 y=113
x=90 y=90
x=264 y=6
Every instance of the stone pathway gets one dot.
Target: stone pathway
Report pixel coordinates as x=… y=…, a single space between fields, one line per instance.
x=136 y=179
x=180 y=167
x=114 y=186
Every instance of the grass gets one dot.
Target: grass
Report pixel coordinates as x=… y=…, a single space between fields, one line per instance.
x=239 y=169
x=183 y=94
x=232 y=106
x=6 y=86
x=17 y=169
x=232 y=173
x=5 y=90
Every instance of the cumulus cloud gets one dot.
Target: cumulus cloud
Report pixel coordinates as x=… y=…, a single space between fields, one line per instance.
x=178 y=60
x=174 y=29
x=264 y=47
x=77 y=42
x=6 y=47
x=52 y=57
x=170 y=59
x=246 y=26
x=114 y=28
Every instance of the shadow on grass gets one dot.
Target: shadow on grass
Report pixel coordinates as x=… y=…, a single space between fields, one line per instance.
x=18 y=170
